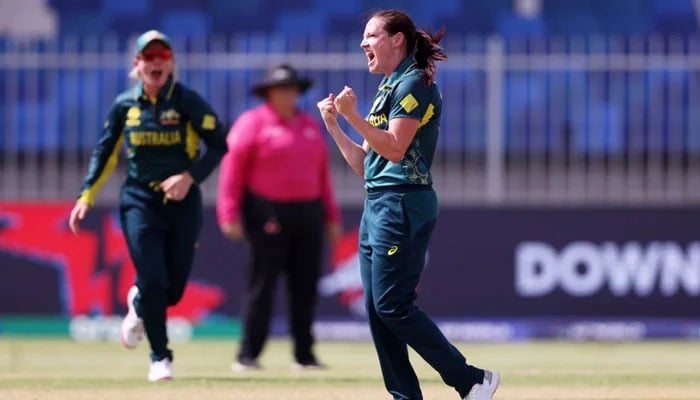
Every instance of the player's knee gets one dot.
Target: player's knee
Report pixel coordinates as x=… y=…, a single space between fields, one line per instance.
x=175 y=295
x=151 y=292
x=389 y=311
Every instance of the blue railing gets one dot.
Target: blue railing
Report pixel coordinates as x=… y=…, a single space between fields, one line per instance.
x=593 y=96
x=605 y=102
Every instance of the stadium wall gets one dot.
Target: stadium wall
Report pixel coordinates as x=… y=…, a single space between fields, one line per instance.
x=491 y=274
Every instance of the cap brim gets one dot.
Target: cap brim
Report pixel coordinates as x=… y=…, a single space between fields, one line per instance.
x=164 y=42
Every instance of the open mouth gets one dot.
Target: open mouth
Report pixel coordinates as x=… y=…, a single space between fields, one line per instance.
x=156 y=73
x=370 y=56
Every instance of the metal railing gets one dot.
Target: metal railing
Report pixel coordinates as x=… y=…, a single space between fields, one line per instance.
x=608 y=121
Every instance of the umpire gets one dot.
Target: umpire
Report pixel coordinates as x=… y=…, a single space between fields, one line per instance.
x=275 y=188
x=161 y=122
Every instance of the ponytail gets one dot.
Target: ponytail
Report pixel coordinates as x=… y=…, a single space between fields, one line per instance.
x=427 y=52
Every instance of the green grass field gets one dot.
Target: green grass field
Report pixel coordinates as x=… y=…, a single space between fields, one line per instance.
x=62 y=369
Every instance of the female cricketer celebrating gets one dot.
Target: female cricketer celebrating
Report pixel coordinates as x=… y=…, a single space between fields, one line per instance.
x=400 y=136
x=161 y=121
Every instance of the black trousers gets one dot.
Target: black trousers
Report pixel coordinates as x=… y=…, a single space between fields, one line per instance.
x=285 y=238
x=162 y=237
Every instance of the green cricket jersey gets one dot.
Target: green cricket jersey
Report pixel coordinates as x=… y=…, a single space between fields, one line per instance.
x=403 y=94
x=162 y=137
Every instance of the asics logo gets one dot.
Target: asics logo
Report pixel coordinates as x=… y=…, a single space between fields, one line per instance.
x=392 y=250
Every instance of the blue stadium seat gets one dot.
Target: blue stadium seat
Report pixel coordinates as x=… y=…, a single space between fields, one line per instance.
x=126 y=28
x=192 y=23
x=573 y=25
x=513 y=25
x=282 y=7
x=676 y=25
x=351 y=25
x=163 y=6
x=75 y=5
x=570 y=17
x=625 y=17
x=673 y=7
x=229 y=17
x=82 y=23
x=301 y=23
x=475 y=17
x=386 y=4
x=124 y=8
x=232 y=10
x=333 y=8
x=425 y=13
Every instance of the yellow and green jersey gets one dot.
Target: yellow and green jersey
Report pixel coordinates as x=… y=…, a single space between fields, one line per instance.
x=403 y=94
x=162 y=137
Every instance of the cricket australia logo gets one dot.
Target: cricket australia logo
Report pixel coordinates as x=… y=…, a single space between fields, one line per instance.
x=169 y=117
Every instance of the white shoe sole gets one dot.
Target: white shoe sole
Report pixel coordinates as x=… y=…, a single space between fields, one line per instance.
x=496 y=380
x=162 y=379
x=238 y=367
x=131 y=315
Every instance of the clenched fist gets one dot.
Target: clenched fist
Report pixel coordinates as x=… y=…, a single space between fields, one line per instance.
x=327 y=108
x=346 y=101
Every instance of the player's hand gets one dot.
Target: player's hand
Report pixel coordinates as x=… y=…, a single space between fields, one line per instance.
x=334 y=231
x=327 y=109
x=177 y=186
x=346 y=101
x=233 y=231
x=77 y=214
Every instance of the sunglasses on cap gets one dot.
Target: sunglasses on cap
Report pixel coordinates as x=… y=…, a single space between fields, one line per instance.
x=151 y=55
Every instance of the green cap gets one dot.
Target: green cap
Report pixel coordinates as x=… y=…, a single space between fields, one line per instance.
x=147 y=38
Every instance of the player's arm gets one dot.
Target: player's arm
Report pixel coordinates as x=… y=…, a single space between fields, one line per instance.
x=353 y=153
x=102 y=163
x=105 y=155
x=204 y=122
x=404 y=120
x=391 y=143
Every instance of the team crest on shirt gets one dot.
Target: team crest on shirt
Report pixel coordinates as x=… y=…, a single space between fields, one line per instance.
x=133 y=116
x=169 y=117
x=378 y=103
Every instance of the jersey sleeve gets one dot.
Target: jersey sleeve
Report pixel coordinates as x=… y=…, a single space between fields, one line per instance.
x=203 y=124
x=105 y=155
x=411 y=99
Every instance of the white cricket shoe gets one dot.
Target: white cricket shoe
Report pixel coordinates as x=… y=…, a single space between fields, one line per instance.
x=160 y=371
x=486 y=389
x=245 y=364
x=132 y=331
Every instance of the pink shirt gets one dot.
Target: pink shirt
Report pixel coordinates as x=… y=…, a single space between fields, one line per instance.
x=283 y=161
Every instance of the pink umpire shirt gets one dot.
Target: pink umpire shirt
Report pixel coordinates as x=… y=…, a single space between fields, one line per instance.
x=283 y=161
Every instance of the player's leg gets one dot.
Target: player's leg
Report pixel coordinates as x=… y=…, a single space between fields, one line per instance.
x=181 y=243
x=144 y=230
x=397 y=263
x=399 y=377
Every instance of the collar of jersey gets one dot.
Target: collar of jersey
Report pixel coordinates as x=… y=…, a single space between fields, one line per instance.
x=163 y=94
x=407 y=64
